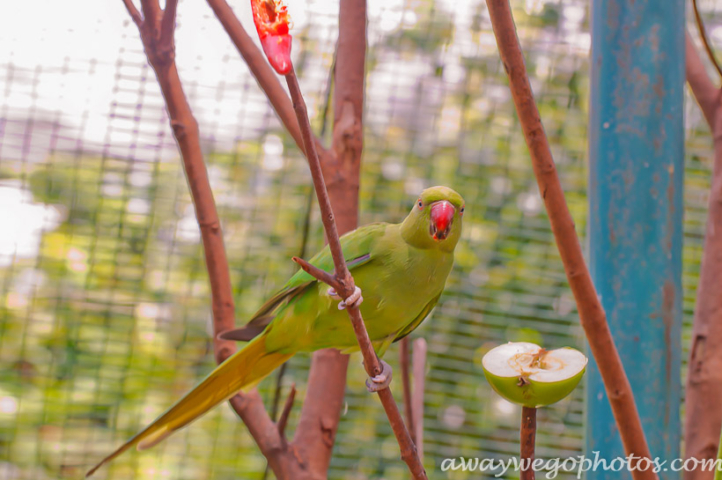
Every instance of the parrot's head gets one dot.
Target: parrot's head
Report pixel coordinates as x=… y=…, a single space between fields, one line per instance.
x=435 y=219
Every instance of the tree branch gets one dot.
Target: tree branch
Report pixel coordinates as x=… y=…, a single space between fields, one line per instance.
x=705 y=40
x=591 y=313
x=406 y=383
x=348 y=96
x=167 y=29
x=704 y=91
x=151 y=13
x=341 y=166
x=417 y=402
x=304 y=235
x=283 y=419
x=281 y=456
x=157 y=31
x=262 y=72
x=703 y=418
x=319 y=274
x=527 y=440
x=343 y=283
x=133 y=12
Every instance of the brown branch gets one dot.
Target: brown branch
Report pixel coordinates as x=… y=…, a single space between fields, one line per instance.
x=704 y=91
x=262 y=72
x=341 y=280
x=320 y=413
x=157 y=31
x=167 y=27
x=274 y=407
x=417 y=402
x=151 y=13
x=703 y=420
x=304 y=239
x=283 y=419
x=319 y=417
x=277 y=391
x=319 y=274
x=591 y=313
x=348 y=96
x=133 y=12
x=406 y=383
x=343 y=283
x=158 y=42
x=341 y=165
x=281 y=457
x=705 y=40
x=528 y=436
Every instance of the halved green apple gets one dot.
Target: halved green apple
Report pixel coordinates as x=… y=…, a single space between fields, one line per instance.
x=528 y=375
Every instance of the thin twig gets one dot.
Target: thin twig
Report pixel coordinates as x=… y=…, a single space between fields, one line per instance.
x=528 y=436
x=417 y=402
x=342 y=278
x=320 y=414
x=305 y=234
x=133 y=11
x=305 y=231
x=277 y=394
x=343 y=283
x=406 y=382
x=591 y=313
x=705 y=40
x=283 y=419
x=262 y=72
x=168 y=21
x=341 y=164
x=273 y=414
x=707 y=95
x=319 y=274
x=327 y=98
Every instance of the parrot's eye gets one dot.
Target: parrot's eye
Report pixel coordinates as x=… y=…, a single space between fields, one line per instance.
x=461 y=212
x=420 y=204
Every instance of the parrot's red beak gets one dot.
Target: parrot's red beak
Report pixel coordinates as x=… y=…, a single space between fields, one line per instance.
x=442 y=216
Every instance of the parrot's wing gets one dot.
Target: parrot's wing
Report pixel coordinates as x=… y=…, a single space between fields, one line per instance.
x=419 y=318
x=356 y=247
x=264 y=315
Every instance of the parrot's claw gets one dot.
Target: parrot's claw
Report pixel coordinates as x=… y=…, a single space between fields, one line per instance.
x=354 y=300
x=380 y=381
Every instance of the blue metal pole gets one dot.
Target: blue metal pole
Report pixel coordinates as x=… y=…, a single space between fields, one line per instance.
x=636 y=147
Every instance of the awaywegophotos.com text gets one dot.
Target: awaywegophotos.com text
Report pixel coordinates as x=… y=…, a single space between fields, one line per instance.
x=551 y=467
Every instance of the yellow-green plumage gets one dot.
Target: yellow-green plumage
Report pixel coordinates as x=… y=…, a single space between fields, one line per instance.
x=401 y=270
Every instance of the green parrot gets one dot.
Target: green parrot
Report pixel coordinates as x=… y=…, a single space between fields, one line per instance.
x=401 y=270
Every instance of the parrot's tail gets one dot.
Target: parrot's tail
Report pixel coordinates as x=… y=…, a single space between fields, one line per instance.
x=242 y=371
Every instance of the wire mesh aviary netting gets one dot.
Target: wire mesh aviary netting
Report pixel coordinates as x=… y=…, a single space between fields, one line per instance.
x=104 y=296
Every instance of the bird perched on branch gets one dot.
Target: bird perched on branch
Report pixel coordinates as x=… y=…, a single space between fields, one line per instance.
x=401 y=270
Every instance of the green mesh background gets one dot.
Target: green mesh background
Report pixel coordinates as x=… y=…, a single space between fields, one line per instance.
x=104 y=299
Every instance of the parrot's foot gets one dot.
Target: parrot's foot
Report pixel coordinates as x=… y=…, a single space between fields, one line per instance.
x=380 y=381
x=354 y=300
